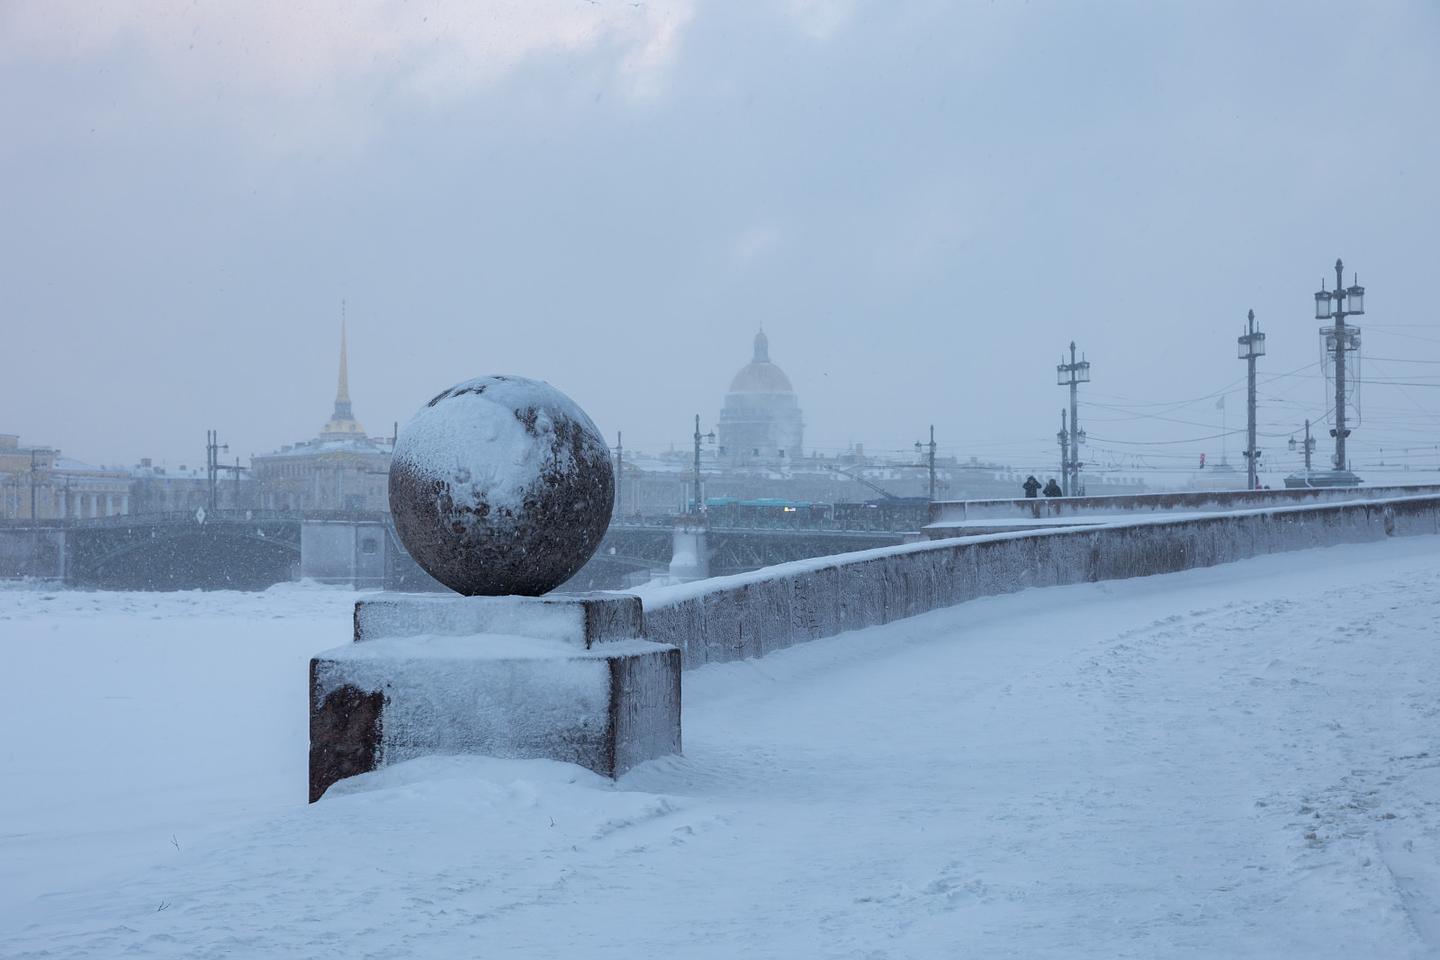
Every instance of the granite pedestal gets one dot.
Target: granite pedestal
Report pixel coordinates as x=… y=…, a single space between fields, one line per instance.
x=562 y=678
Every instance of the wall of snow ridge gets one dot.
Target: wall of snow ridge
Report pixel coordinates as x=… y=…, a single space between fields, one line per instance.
x=752 y=614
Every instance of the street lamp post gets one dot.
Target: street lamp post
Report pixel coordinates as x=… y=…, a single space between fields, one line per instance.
x=931 y=464
x=1309 y=446
x=1064 y=438
x=1073 y=374
x=619 y=473
x=710 y=437
x=1252 y=345
x=213 y=449
x=1339 y=337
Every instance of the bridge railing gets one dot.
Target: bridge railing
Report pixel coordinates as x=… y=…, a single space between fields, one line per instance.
x=713 y=522
x=655 y=522
x=192 y=516
x=659 y=522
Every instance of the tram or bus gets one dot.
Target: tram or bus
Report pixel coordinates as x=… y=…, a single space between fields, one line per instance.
x=767 y=512
x=886 y=513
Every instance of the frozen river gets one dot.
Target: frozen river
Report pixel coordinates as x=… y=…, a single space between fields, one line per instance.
x=1240 y=761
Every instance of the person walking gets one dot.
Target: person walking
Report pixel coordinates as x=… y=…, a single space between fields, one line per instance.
x=1032 y=487
x=1052 y=489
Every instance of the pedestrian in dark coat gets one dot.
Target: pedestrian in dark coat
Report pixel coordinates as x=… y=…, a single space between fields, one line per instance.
x=1052 y=489
x=1032 y=487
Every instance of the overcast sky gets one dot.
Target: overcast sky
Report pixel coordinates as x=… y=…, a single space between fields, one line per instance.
x=922 y=203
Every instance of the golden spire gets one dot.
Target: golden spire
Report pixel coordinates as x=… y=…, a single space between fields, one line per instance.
x=342 y=421
x=342 y=391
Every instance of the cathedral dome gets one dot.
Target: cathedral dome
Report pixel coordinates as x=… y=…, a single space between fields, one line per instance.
x=760 y=375
x=761 y=420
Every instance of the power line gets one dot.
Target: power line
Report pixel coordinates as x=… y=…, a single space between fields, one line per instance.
x=1160 y=443
x=1144 y=416
x=1407 y=336
x=1225 y=390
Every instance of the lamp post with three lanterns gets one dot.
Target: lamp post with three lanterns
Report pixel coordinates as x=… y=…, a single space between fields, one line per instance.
x=1071 y=375
x=1339 y=337
x=1252 y=345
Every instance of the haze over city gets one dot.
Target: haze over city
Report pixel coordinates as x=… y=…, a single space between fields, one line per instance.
x=1025 y=539
x=922 y=204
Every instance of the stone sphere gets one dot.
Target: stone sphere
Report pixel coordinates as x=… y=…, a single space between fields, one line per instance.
x=501 y=485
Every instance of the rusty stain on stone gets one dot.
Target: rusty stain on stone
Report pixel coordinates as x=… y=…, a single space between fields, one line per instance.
x=345 y=732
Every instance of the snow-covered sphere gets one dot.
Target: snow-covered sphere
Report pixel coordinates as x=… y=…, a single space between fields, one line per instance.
x=501 y=485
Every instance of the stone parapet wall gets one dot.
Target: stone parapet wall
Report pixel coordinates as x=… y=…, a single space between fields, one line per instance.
x=753 y=614
x=596 y=680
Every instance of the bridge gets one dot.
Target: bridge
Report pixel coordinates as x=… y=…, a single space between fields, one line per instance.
x=251 y=550
x=239 y=550
x=637 y=551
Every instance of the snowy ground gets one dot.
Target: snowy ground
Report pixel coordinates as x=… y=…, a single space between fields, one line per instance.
x=1230 y=762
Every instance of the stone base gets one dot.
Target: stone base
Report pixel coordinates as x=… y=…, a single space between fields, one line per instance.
x=568 y=680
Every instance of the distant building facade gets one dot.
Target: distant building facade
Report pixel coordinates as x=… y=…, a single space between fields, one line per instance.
x=185 y=489
x=38 y=483
x=341 y=470
x=24 y=470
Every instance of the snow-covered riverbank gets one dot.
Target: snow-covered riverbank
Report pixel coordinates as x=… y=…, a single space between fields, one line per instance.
x=1225 y=762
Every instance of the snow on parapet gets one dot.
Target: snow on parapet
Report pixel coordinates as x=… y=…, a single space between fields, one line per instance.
x=580 y=621
x=1213 y=501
